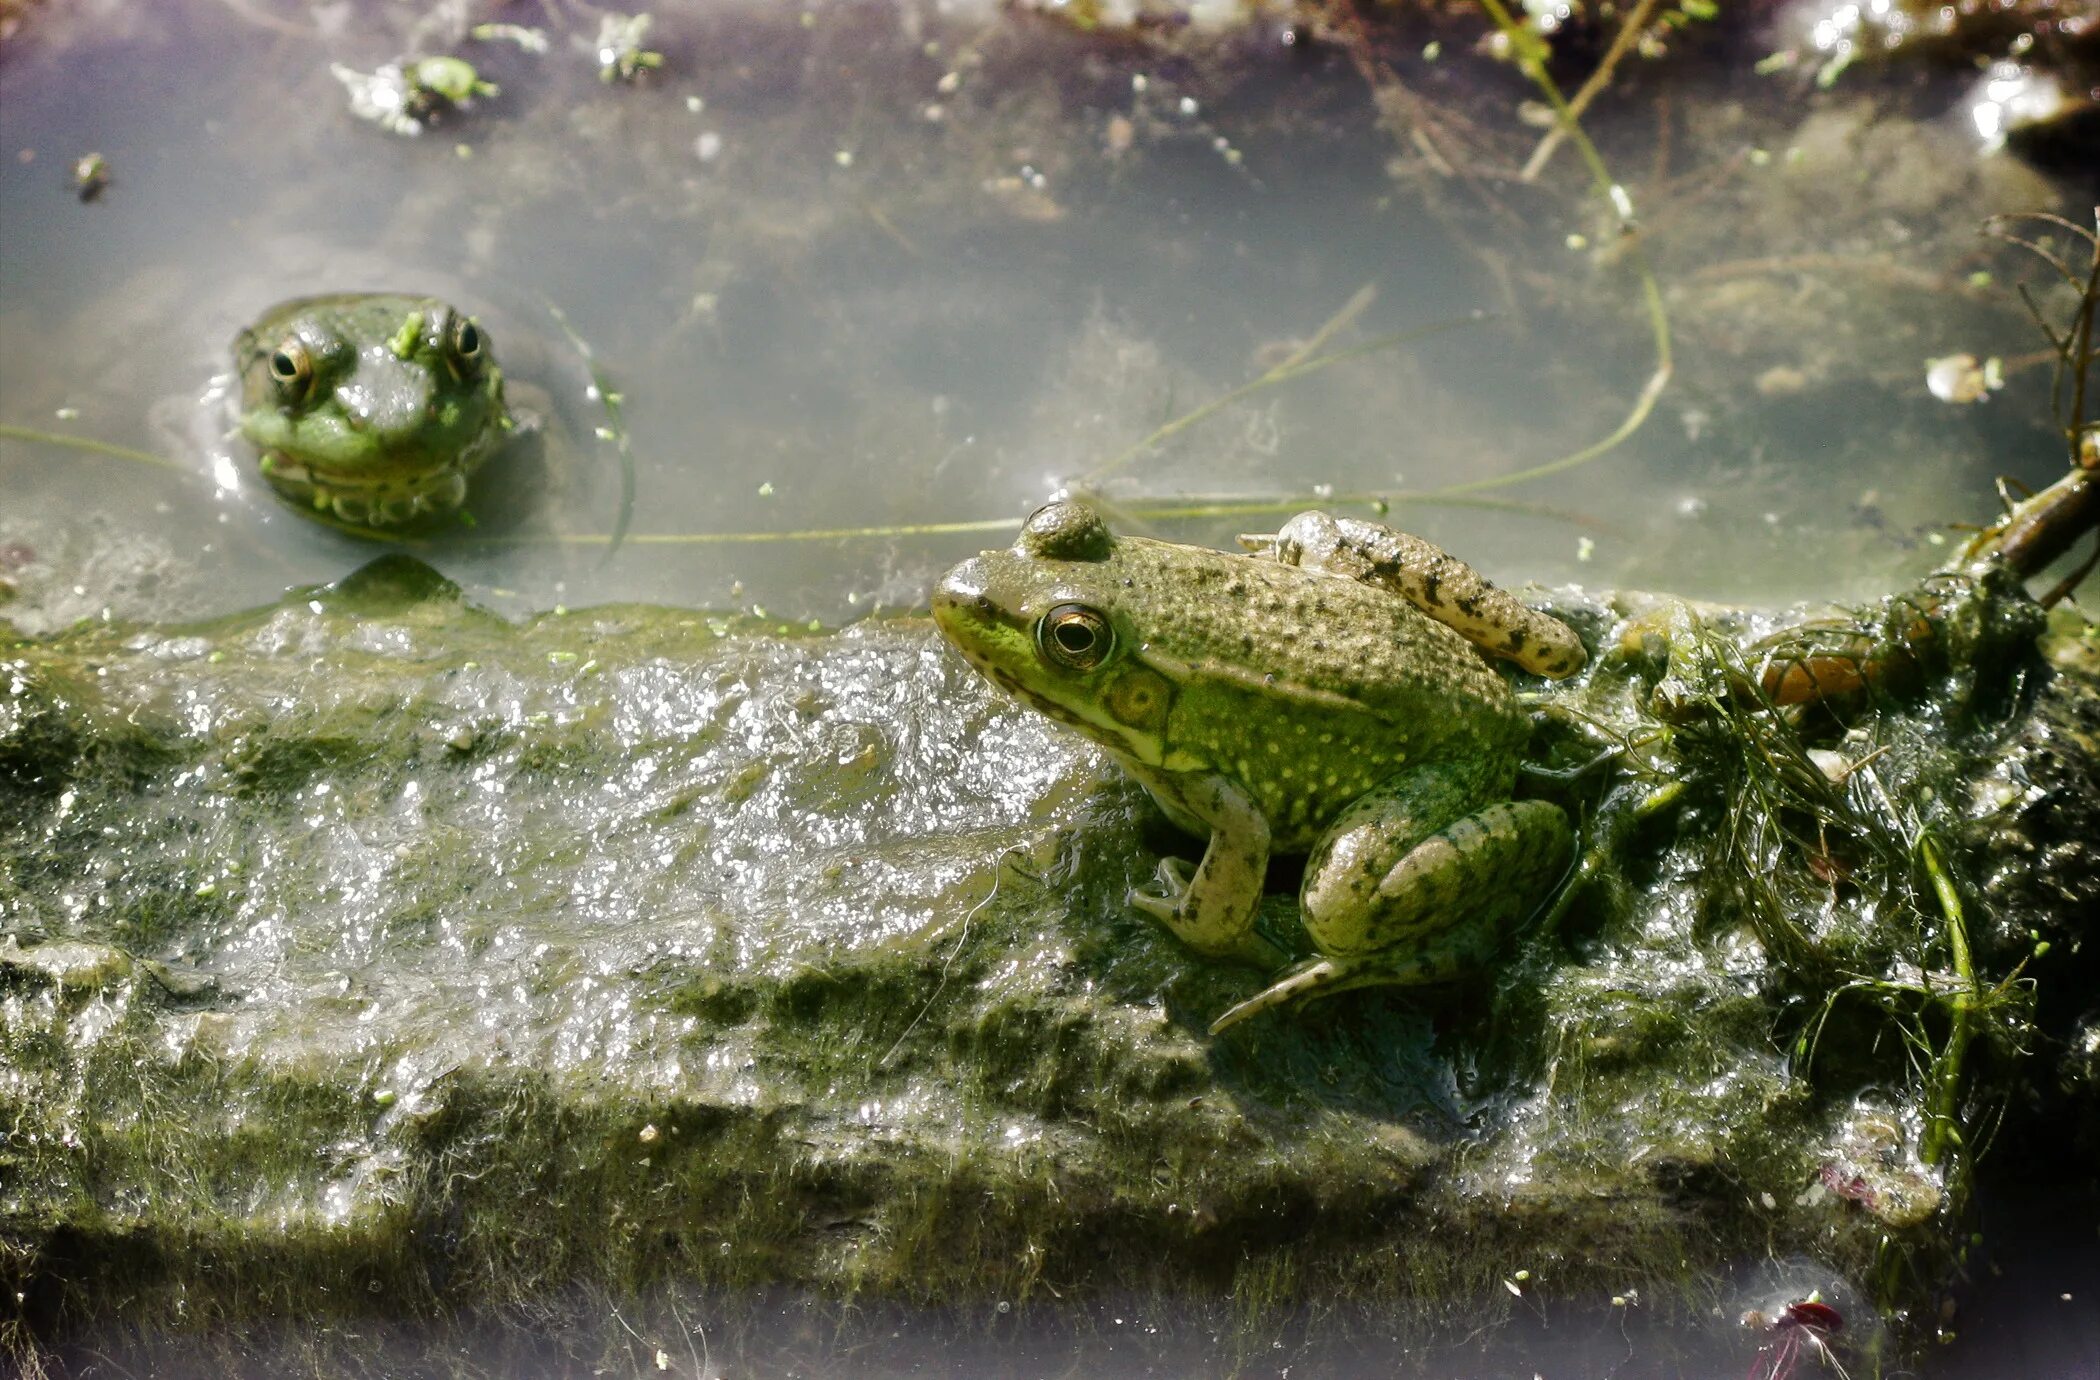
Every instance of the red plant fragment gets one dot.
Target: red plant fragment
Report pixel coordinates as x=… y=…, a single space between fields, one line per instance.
x=1812 y=1316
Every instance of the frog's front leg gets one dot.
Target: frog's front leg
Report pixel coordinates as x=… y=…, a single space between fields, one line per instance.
x=1386 y=903
x=1433 y=580
x=1213 y=911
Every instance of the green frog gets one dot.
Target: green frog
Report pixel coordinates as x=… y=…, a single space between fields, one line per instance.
x=1328 y=695
x=370 y=409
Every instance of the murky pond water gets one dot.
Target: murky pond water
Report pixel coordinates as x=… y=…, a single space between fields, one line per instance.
x=909 y=269
x=853 y=266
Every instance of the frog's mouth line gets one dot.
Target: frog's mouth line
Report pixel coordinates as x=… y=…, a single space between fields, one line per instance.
x=396 y=501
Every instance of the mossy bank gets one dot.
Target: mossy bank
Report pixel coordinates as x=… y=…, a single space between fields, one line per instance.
x=369 y=950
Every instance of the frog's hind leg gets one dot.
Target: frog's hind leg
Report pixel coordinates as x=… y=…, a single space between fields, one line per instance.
x=1389 y=908
x=1433 y=580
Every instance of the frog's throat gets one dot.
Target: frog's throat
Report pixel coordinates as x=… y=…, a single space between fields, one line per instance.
x=1117 y=738
x=391 y=498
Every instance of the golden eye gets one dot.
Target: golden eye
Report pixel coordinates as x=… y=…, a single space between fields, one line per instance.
x=292 y=368
x=469 y=346
x=1075 y=636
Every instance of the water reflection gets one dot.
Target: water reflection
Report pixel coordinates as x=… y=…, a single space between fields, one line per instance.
x=2010 y=96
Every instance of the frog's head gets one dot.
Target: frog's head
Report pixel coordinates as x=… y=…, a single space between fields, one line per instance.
x=1052 y=621
x=371 y=408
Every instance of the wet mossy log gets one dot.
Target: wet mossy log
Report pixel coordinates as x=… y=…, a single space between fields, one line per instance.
x=368 y=946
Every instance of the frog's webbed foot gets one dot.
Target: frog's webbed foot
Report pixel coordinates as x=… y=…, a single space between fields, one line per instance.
x=1175 y=906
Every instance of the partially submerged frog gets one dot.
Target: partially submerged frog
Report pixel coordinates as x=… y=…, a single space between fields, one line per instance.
x=1327 y=695
x=369 y=408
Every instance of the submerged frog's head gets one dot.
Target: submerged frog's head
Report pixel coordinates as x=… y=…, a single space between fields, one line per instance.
x=371 y=408
x=1052 y=621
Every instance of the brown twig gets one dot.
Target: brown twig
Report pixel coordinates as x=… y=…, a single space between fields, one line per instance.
x=1446 y=140
x=2041 y=528
x=1629 y=33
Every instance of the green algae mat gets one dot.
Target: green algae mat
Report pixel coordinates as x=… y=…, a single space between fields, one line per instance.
x=370 y=950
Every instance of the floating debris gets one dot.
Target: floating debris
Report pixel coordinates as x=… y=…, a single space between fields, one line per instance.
x=403 y=97
x=1963 y=378
x=621 y=56
x=529 y=39
x=90 y=175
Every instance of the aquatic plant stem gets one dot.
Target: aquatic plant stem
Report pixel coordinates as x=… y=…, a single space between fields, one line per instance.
x=1300 y=363
x=1187 y=509
x=2080 y=357
x=615 y=430
x=1629 y=33
x=1942 y=1133
x=1530 y=58
x=93 y=447
x=2074 y=348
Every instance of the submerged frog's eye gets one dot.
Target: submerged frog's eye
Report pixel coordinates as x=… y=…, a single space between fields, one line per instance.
x=292 y=368
x=1075 y=636
x=469 y=346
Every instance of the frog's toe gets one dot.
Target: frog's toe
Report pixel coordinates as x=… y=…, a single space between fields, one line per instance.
x=1164 y=904
x=1312 y=977
x=1202 y=927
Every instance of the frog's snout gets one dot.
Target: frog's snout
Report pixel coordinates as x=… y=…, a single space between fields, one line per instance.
x=959 y=599
x=385 y=397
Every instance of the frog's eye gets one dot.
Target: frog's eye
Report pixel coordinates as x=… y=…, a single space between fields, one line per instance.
x=292 y=368
x=1075 y=636
x=469 y=346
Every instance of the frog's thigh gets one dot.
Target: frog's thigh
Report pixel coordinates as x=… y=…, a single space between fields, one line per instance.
x=1433 y=904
